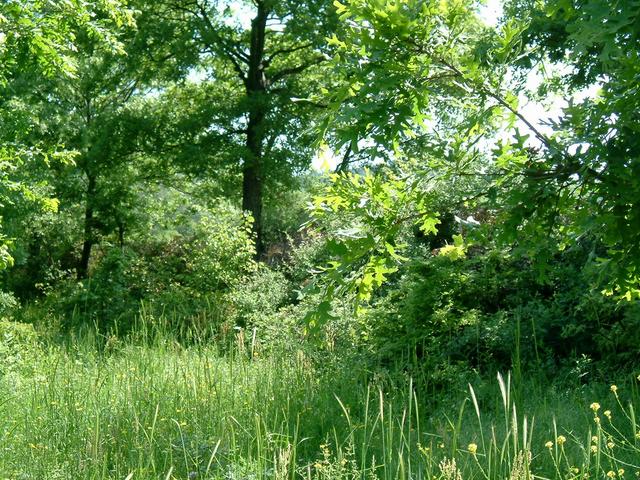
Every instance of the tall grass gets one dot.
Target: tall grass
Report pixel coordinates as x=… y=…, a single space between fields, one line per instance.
x=156 y=410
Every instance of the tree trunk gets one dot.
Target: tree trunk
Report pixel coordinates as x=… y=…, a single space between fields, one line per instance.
x=83 y=265
x=256 y=87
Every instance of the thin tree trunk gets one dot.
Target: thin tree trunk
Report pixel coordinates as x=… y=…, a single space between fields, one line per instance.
x=83 y=265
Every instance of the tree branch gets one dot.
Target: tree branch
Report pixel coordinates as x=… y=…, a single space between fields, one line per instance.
x=298 y=69
x=236 y=65
x=219 y=44
x=342 y=166
x=496 y=96
x=282 y=51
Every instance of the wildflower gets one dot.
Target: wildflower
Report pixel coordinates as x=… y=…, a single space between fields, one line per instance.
x=549 y=444
x=607 y=413
x=596 y=419
x=595 y=406
x=594 y=449
x=423 y=450
x=449 y=470
x=574 y=470
x=611 y=474
x=594 y=439
x=610 y=445
x=614 y=388
x=561 y=439
x=638 y=378
x=473 y=448
x=638 y=435
x=620 y=472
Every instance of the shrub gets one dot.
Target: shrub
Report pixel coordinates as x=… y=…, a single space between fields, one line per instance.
x=18 y=346
x=494 y=311
x=182 y=273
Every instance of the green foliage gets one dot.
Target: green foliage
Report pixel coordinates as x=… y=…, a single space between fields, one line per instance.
x=196 y=257
x=259 y=297
x=415 y=79
x=38 y=41
x=366 y=214
x=250 y=111
x=153 y=412
x=19 y=348
x=584 y=183
x=8 y=304
x=491 y=311
x=426 y=91
x=456 y=239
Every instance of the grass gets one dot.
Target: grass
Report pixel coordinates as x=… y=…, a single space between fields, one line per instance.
x=162 y=411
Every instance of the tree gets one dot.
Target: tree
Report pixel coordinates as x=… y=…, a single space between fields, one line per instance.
x=261 y=69
x=104 y=115
x=37 y=41
x=584 y=181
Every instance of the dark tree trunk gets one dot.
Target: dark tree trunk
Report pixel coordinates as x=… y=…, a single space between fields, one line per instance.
x=256 y=87
x=83 y=265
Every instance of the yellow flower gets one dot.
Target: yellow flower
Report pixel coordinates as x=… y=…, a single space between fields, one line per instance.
x=574 y=470
x=611 y=474
x=596 y=419
x=607 y=413
x=621 y=471
x=614 y=388
x=561 y=439
x=473 y=448
x=594 y=439
x=610 y=445
x=595 y=406
x=423 y=450
x=549 y=444
x=594 y=449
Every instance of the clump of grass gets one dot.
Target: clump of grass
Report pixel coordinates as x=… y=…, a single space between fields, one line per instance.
x=162 y=411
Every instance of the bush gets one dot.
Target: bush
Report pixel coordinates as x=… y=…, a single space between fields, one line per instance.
x=18 y=346
x=182 y=274
x=8 y=304
x=494 y=311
